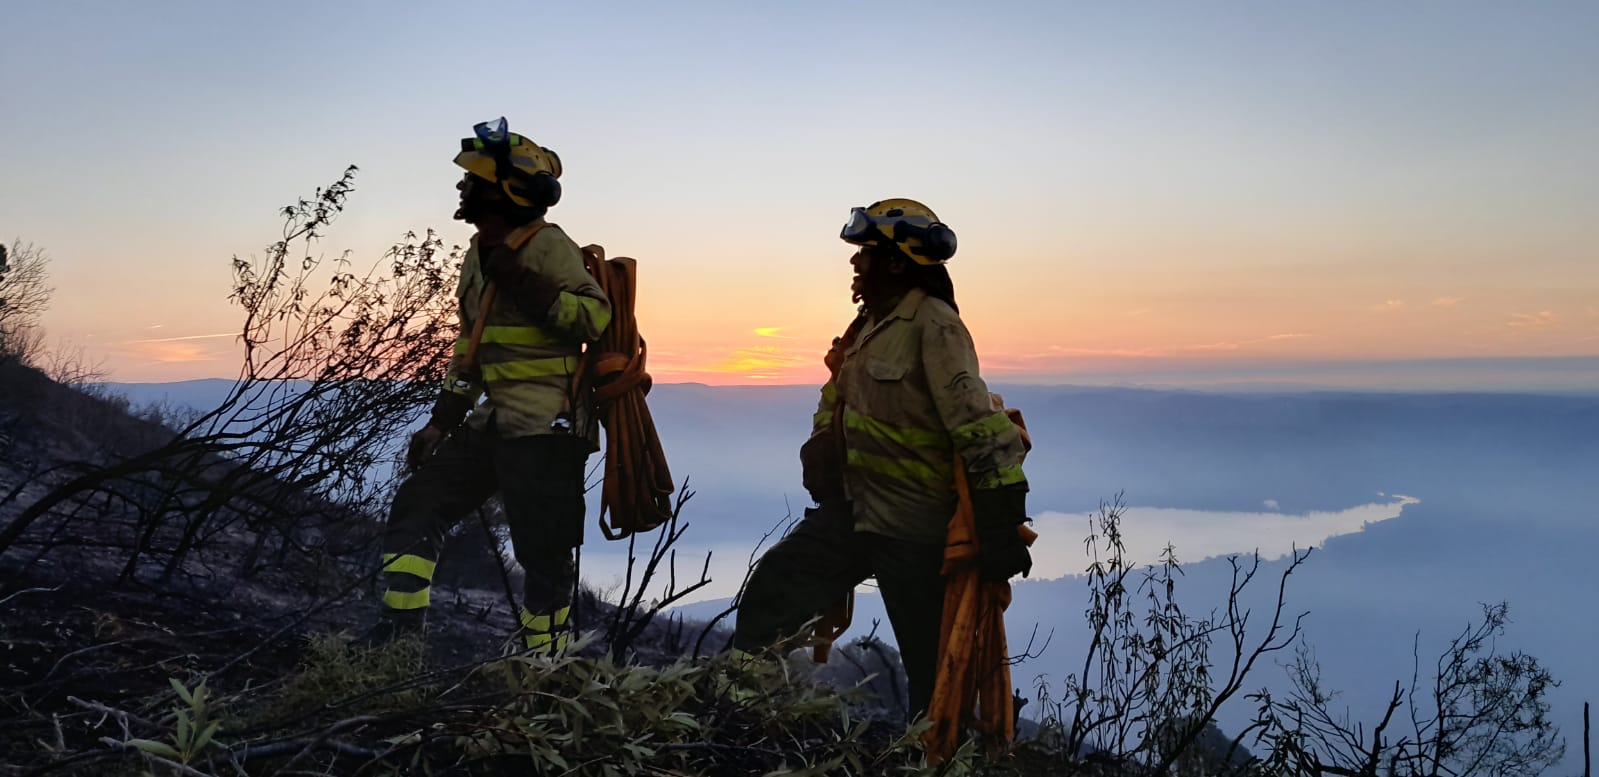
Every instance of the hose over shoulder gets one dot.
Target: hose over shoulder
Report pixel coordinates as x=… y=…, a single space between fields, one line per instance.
x=637 y=488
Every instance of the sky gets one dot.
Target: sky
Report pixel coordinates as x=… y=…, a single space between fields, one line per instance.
x=1380 y=194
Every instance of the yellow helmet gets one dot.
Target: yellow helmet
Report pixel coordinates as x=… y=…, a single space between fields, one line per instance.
x=526 y=171
x=908 y=225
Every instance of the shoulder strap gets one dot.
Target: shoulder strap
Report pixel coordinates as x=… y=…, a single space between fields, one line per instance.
x=519 y=237
x=835 y=355
x=522 y=235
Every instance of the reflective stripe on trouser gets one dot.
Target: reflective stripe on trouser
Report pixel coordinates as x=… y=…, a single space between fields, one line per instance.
x=410 y=581
x=540 y=483
x=549 y=633
x=822 y=559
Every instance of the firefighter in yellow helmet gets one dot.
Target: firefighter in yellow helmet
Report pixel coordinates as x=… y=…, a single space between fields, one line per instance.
x=904 y=397
x=530 y=436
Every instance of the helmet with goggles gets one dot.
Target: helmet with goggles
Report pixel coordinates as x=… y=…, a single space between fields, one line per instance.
x=525 y=171
x=908 y=225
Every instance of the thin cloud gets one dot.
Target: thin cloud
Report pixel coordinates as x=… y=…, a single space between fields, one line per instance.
x=1543 y=319
x=1063 y=350
x=186 y=337
x=1447 y=302
x=755 y=362
x=173 y=353
x=1233 y=345
x=1150 y=352
x=155 y=326
x=761 y=362
x=1388 y=305
x=771 y=331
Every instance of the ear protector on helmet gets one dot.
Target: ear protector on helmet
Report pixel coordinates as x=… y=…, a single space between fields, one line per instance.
x=541 y=188
x=912 y=227
x=937 y=240
x=528 y=173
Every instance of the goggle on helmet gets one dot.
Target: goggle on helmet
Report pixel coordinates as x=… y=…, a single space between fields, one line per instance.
x=525 y=170
x=910 y=226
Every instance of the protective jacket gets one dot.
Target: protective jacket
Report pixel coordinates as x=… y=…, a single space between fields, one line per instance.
x=527 y=359
x=910 y=397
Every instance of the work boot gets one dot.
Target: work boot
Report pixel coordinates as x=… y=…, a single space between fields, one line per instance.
x=392 y=625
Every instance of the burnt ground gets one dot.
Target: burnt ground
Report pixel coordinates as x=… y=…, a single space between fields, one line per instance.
x=68 y=641
x=75 y=653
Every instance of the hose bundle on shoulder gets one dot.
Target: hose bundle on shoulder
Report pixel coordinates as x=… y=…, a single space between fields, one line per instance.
x=637 y=491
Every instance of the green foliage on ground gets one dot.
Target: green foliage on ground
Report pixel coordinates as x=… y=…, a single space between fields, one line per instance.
x=372 y=711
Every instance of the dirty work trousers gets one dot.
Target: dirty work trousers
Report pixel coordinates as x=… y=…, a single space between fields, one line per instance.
x=539 y=480
x=822 y=559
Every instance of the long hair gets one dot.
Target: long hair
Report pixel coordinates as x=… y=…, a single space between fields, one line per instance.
x=518 y=215
x=934 y=279
x=931 y=278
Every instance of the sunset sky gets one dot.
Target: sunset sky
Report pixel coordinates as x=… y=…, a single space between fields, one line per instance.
x=1385 y=194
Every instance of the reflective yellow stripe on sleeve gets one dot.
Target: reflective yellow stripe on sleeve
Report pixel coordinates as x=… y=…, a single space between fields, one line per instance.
x=569 y=306
x=987 y=427
x=824 y=414
x=455 y=384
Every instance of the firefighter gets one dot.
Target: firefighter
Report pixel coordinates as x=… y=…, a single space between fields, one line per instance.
x=904 y=397
x=531 y=435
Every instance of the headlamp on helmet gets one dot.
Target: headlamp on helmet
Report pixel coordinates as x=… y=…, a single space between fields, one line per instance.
x=525 y=170
x=491 y=132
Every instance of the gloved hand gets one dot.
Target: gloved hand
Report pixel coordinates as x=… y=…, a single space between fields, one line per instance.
x=1001 y=552
x=449 y=410
x=534 y=292
x=423 y=443
x=820 y=470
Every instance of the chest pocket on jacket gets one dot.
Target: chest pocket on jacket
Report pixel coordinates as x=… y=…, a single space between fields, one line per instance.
x=883 y=369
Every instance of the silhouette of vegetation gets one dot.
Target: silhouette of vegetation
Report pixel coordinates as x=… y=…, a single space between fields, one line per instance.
x=24 y=296
x=1152 y=686
x=1481 y=712
x=336 y=363
x=1148 y=690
